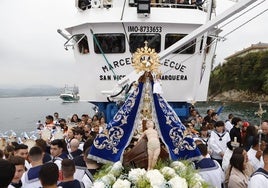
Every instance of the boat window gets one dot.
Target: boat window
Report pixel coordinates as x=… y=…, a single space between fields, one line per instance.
x=109 y=43
x=82 y=43
x=136 y=40
x=186 y=49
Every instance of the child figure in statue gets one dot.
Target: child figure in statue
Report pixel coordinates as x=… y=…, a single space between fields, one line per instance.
x=153 y=144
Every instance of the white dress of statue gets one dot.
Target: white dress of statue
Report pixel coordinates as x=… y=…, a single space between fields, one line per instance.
x=157 y=88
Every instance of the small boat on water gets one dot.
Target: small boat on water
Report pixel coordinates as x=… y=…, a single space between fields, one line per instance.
x=70 y=94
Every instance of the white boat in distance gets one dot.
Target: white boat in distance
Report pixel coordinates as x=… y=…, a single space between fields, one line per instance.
x=104 y=34
x=70 y=94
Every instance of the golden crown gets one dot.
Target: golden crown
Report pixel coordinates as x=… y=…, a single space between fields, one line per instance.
x=146 y=59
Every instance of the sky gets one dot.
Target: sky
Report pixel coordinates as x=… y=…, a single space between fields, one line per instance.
x=32 y=52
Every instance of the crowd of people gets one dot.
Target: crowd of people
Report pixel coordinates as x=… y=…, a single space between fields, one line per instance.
x=50 y=161
x=233 y=152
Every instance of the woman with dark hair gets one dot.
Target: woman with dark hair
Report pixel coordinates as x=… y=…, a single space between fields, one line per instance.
x=237 y=179
x=248 y=167
x=251 y=132
x=75 y=119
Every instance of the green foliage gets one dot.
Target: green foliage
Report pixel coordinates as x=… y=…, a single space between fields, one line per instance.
x=144 y=183
x=247 y=73
x=103 y=171
x=162 y=163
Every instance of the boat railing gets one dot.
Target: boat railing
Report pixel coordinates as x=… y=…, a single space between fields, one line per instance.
x=73 y=40
x=189 y=4
x=170 y=4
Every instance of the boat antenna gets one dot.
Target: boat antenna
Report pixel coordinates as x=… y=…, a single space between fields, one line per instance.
x=106 y=60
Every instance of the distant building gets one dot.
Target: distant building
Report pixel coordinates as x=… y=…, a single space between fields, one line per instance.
x=253 y=48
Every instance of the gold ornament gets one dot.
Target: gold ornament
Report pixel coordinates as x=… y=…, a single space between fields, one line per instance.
x=146 y=59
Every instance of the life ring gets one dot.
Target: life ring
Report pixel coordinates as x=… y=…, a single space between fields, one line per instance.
x=95 y=3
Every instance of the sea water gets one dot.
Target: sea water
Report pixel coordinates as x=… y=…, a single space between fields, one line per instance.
x=21 y=114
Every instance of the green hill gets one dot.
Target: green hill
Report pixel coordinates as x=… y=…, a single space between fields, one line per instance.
x=248 y=73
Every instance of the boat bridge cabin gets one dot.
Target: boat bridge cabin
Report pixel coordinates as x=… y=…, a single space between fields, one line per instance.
x=104 y=34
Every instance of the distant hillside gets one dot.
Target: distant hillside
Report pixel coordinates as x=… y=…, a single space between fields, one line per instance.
x=30 y=91
x=244 y=78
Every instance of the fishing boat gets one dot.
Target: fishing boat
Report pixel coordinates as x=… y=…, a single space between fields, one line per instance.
x=104 y=34
x=70 y=94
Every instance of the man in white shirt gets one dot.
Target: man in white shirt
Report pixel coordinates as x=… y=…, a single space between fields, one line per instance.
x=210 y=170
x=228 y=124
x=218 y=141
x=259 y=179
x=58 y=151
x=255 y=152
x=21 y=150
x=264 y=128
x=30 y=179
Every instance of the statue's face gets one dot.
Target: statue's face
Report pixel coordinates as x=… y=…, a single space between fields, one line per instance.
x=150 y=124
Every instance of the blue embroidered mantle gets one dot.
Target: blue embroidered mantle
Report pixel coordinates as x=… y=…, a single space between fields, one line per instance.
x=109 y=145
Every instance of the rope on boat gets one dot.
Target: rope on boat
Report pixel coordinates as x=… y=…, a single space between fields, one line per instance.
x=98 y=44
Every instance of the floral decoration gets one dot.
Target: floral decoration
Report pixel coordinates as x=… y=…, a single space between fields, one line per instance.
x=177 y=174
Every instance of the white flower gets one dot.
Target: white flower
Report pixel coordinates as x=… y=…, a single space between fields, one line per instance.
x=108 y=179
x=121 y=184
x=155 y=177
x=198 y=177
x=178 y=182
x=168 y=172
x=98 y=184
x=197 y=185
x=177 y=165
x=135 y=174
x=116 y=169
x=197 y=181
